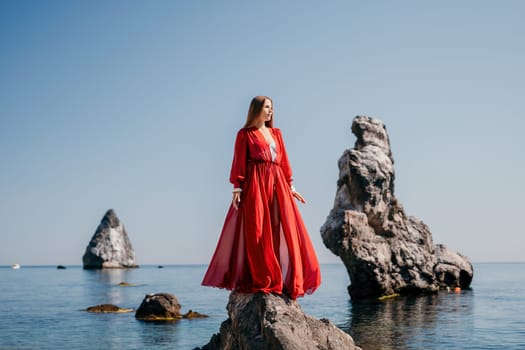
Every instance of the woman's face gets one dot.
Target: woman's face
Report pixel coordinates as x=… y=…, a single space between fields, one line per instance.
x=267 y=111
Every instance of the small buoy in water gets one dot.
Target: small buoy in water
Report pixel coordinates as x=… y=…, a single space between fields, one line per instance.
x=457 y=290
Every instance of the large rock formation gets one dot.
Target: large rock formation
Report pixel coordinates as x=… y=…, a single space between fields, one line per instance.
x=385 y=251
x=266 y=321
x=110 y=246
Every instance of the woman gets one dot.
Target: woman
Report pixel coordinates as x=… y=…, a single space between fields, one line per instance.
x=264 y=245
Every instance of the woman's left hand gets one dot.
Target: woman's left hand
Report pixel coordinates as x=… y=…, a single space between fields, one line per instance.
x=299 y=197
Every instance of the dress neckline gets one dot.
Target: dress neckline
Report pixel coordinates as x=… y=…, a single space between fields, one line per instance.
x=272 y=138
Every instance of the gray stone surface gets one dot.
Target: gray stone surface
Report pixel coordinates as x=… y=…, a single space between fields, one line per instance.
x=385 y=251
x=266 y=321
x=110 y=246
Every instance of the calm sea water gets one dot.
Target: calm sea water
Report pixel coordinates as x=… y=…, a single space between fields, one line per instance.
x=41 y=308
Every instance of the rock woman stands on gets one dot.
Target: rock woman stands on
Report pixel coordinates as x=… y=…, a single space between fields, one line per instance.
x=264 y=245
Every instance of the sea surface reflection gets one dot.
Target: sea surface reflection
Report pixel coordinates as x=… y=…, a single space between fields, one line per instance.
x=410 y=322
x=484 y=317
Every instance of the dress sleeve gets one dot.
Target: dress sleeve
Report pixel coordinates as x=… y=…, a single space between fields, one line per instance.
x=285 y=163
x=240 y=159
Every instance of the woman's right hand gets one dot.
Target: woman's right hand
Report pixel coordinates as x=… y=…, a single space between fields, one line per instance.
x=236 y=200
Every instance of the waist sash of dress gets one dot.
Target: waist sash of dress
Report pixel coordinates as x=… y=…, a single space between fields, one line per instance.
x=263 y=161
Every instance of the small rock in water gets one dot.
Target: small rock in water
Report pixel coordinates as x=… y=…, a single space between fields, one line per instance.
x=159 y=307
x=194 y=314
x=163 y=307
x=61 y=267
x=126 y=284
x=107 y=308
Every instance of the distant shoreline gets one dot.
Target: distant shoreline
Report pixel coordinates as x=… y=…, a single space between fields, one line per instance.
x=201 y=265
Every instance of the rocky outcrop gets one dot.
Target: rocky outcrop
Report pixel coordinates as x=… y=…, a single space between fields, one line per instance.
x=266 y=321
x=163 y=307
x=452 y=269
x=385 y=251
x=110 y=246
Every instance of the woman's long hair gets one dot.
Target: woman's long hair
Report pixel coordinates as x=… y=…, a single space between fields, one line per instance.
x=256 y=107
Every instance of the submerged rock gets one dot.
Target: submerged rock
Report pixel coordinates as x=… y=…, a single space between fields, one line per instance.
x=110 y=246
x=126 y=284
x=267 y=321
x=107 y=308
x=385 y=251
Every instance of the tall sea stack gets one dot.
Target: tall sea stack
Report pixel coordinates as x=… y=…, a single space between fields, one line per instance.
x=385 y=251
x=110 y=246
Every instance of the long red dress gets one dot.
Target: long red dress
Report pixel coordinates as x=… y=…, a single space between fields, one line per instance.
x=264 y=245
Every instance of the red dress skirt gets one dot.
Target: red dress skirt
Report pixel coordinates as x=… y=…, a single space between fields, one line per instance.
x=264 y=245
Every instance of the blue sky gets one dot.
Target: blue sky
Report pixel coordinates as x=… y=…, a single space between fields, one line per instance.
x=134 y=105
